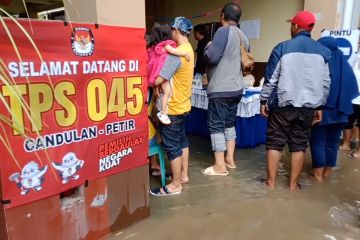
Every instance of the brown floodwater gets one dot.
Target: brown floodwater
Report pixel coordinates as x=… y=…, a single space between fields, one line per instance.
x=240 y=207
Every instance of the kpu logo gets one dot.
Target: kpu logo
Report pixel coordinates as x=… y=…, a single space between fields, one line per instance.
x=82 y=42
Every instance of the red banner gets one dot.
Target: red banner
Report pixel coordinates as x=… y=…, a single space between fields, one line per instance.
x=72 y=108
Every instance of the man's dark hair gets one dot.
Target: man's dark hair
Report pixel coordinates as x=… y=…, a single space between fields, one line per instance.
x=232 y=12
x=200 y=28
x=159 y=33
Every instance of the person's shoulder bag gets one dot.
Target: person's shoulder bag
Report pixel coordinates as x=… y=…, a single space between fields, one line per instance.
x=247 y=59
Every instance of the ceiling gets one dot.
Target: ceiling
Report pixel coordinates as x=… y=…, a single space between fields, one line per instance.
x=33 y=6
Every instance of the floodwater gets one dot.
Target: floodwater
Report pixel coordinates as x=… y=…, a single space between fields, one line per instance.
x=240 y=207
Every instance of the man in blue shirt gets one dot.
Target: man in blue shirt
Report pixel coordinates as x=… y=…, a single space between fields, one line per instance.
x=297 y=83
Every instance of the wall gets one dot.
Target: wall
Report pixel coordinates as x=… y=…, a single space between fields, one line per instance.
x=273 y=15
x=73 y=11
x=329 y=12
x=274 y=28
x=110 y=12
x=121 y=12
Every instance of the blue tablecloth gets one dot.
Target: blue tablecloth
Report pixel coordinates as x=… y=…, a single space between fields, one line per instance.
x=251 y=132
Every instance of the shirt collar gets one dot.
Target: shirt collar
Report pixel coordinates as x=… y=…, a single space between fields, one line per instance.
x=303 y=33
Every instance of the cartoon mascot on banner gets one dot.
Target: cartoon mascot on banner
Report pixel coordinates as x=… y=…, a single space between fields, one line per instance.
x=31 y=178
x=69 y=167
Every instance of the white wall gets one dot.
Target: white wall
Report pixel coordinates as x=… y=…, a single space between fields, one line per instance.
x=356 y=15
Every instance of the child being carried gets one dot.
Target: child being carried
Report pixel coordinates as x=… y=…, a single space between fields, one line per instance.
x=160 y=46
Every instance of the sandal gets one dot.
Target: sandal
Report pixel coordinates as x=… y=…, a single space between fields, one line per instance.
x=155 y=172
x=211 y=172
x=354 y=155
x=230 y=166
x=164 y=119
x=170 y=178
x=158 y=193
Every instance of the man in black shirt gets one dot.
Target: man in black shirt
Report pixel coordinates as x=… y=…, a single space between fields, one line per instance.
x=200 y=35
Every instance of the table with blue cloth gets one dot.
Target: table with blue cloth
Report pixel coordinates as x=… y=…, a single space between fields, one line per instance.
x=250 y=126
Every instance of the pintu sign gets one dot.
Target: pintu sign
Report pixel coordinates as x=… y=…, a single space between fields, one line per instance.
x=347 y=41
x=345 y=46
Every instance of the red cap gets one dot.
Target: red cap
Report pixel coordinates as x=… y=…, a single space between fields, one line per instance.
x=304 y=19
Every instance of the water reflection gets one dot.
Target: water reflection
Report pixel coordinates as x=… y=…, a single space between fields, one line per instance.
x=240 y=207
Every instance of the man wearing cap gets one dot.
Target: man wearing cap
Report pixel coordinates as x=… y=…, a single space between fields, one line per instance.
x=225 y=88
x=174 y=140
x=297 y=82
